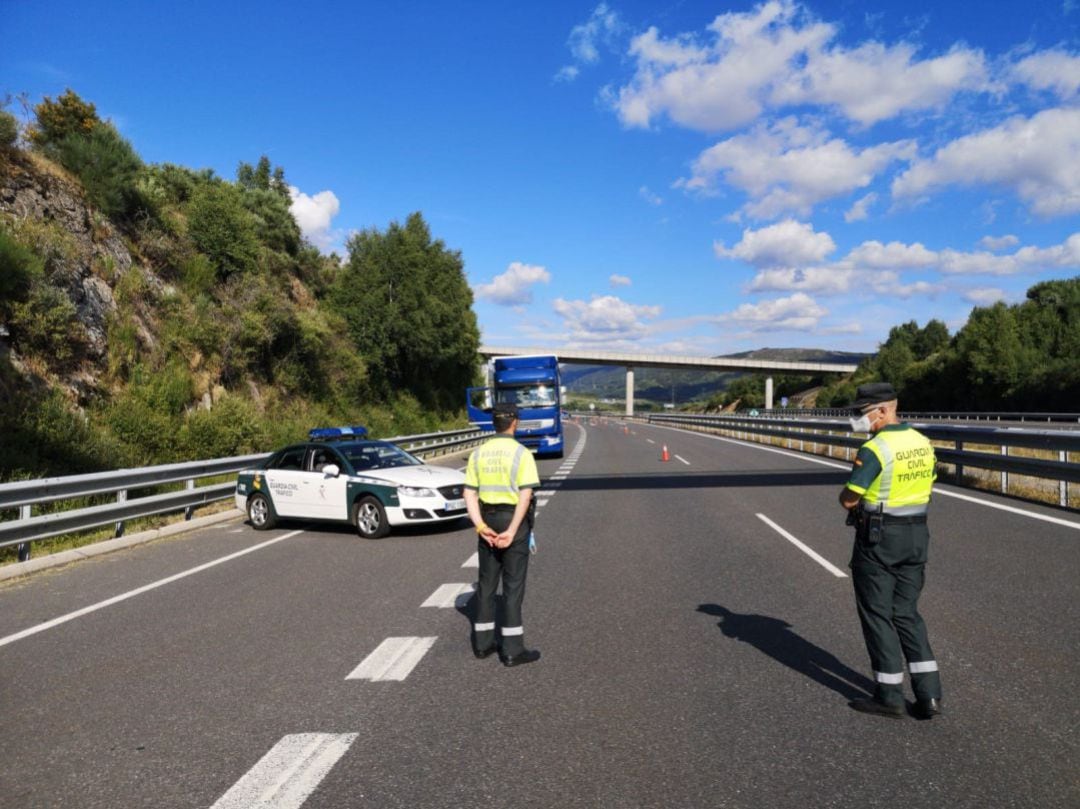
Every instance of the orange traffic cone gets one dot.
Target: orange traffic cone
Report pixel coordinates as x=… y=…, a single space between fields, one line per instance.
x=664 y=455
x=626 y=430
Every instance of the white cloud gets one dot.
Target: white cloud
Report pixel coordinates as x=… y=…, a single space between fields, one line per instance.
x=649 y=196
x=314 y=215
x=1055 y=70
x=585 y=40
x=861 y=209
x=996 y=243
x=799 y=312
x=830 y=280
x=787 y=167
x=1038 y=157
x=1027 y=259
x=785 y=244
x=605 y=317
x=776 y=56
x=619 y=280
x=984 y=296
x=892 y=256
x=513 y=287
x=874 y=82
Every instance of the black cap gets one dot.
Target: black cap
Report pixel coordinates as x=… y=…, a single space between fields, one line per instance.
x=872 y=394
x=505 y=409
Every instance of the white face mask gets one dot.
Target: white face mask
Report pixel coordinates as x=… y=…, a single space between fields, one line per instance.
x=861 y=424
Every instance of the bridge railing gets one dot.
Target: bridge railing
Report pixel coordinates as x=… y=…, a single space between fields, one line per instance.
x=837 y=433
x=137 y=494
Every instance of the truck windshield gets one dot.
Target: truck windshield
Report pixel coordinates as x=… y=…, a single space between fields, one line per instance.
x=528 y=395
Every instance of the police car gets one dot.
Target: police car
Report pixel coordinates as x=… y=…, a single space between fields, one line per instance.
x=339 y=475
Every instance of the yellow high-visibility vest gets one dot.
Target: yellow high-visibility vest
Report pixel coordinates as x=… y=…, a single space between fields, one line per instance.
x=499 y=468
x=907 y=472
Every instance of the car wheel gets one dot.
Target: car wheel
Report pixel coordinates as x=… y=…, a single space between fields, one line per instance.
x=260 y=513
x=369 y=517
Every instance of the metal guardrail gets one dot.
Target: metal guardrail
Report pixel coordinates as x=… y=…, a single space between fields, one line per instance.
x=823 y=431
x=833 y=412
x=24 y=495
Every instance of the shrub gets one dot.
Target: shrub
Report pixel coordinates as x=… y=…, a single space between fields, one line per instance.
x=19 y=268
x=107 y=166
x=45 y=324
x=223 y=230
x=231 y=427
x=9 y=130
x=68 y=115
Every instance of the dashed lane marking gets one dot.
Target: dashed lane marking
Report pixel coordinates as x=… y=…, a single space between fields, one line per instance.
x=821 y=560
x=289 y=773
x=63 y=619
x=680 y=458
x=448 y=595
x=473 y=561
x=650 y=440
x=393 y=659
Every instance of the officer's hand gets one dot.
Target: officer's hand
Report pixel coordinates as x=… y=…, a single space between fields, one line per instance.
x=488 y=535
x=503 y=540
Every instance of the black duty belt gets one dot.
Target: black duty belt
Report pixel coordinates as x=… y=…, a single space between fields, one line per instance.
x=497 y=506
x=913 y=519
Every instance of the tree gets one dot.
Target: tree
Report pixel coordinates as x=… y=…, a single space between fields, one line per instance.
x=106 y=164
x=409 y=312
x=56 y=120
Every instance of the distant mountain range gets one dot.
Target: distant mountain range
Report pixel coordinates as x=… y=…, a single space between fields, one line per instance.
x=664 y=385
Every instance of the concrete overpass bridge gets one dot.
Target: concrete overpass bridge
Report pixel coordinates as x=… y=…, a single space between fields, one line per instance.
x=633 y=359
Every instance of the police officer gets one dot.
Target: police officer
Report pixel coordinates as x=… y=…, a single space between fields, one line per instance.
x=499 y=480
x=887 y=497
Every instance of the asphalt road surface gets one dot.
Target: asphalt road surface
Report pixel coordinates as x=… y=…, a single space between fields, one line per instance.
x=699 y=640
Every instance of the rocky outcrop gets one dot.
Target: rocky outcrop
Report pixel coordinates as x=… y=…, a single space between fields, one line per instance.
x=92 y=256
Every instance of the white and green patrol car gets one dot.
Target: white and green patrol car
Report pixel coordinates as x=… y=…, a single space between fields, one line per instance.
x=338 y=475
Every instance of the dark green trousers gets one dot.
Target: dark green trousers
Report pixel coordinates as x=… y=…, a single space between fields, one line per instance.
x=888 y=578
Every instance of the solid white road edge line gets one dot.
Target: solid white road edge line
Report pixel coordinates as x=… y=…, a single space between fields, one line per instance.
x=821 y=560
x=63 y=619
x=288 y=773
x=846 y=467
x=393 y=659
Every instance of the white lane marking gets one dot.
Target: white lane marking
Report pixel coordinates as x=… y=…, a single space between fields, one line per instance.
x=238 y=531
x=847 y=467
x=63 y=619
x=821 y=560
x=560 y=476
x=447 y=595
x=288 y=773
x=650 y=440
x=542 y=503
x=473 y=561
x=393 y=659
x=680 y=458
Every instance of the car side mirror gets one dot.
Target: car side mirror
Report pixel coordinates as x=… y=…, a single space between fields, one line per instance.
x=331 y=470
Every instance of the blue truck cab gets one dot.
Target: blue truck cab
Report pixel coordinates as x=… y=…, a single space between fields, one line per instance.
x=532 y=383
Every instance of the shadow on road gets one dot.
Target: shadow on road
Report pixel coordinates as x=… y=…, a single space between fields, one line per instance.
x=775 y=638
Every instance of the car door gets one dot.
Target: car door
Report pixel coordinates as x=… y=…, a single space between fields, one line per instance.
x=285 y=482
x=324 y=493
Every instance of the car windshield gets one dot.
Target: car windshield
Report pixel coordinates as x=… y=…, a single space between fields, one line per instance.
x=376 y=455
x=528 y=395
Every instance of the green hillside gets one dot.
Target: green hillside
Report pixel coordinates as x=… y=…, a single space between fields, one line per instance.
x=153 y=313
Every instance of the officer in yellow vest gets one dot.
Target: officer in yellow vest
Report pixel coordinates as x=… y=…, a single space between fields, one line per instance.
x=499 y=480
x=887 y=497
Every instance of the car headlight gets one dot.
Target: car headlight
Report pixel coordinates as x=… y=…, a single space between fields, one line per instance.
x=411 y=491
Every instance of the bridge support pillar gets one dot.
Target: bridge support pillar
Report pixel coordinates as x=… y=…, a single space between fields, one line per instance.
x=629 y=390
x=768 y=393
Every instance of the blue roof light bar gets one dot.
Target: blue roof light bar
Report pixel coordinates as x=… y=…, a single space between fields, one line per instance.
x=330 y=433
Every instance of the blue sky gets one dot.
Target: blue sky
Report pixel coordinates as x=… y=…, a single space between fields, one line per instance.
x=688 y=177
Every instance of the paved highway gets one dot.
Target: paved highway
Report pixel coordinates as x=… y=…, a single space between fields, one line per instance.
x=694 y=655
